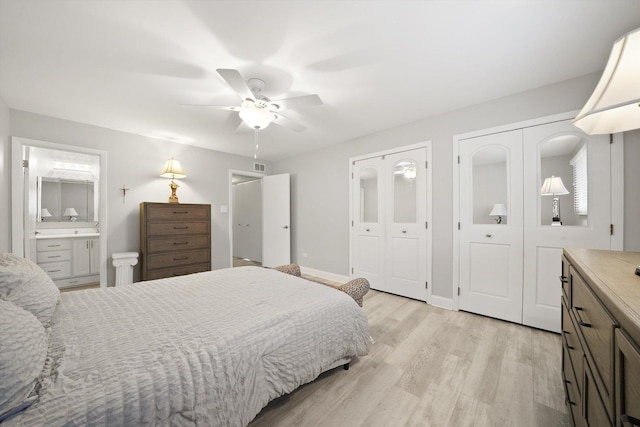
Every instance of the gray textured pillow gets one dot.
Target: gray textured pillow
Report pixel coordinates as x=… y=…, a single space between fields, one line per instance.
x=23 y=349
x=26 y=285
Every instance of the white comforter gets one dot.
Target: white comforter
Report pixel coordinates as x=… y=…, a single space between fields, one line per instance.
x=209 y=349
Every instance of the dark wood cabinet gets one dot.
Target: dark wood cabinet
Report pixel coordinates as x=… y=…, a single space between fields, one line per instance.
x=175 y=239
x=600 y=329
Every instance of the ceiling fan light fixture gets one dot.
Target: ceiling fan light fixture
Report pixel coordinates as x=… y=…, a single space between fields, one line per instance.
x=256 y=117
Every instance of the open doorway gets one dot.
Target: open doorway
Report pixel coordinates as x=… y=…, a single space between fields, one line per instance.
x=246 y=219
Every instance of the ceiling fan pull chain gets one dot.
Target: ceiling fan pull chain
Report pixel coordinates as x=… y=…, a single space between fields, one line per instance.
x=255 y=154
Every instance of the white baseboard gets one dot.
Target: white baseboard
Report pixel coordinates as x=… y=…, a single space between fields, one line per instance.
x=325 y=274
x=442 y=302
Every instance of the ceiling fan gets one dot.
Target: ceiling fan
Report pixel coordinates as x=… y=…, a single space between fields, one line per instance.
x=256 y=110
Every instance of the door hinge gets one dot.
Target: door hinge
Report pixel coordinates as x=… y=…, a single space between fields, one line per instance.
x=610 y=138
x=351 y=270
x=352 y=223
x=458 y=225
x=426 y=225
x=25 y=163
x=426 y=285
x=611 y=229
x=426 y=164
x=458 y=159
x=458 y=290
x=351 y=175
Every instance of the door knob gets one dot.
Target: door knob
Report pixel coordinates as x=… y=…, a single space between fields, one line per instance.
x=368 y=229
x=489 y=235
x=404 y=231
x=285 y=226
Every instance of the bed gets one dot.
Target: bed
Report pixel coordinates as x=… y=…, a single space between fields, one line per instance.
x=210 y=348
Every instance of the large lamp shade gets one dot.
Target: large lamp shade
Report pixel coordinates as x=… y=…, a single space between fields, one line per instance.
x=614 y=104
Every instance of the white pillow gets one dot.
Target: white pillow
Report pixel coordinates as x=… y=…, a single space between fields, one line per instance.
x=26 y=285
x=23 y=349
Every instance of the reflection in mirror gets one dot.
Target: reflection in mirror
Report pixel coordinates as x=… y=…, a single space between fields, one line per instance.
x=369 y=195
x=404 y=192
x=66 y=200
x=489 y=186
x=564 y=157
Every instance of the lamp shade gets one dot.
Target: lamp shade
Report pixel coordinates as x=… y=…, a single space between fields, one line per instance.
x=255 y=116
x=173 y=170
x=70 y=212
x=553 y=186
x=499 y=209
x=44 y=213
x=613 y=106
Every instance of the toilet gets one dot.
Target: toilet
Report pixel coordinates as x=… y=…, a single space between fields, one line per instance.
x=124 y=262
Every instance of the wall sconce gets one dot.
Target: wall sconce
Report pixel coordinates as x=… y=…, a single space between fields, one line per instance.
x=173 y=170
x=71 y=213
x=499 y=210
x=553 y=186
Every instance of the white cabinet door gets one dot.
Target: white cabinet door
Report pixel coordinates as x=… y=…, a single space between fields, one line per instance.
x=553 y=150
x=94 y=257
x=491 y=253
x=80 y=265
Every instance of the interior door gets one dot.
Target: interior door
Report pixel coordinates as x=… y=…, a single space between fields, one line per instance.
x=491 y=246
x=276 y=226
x=406 y=231
x=554 y=150
x=368 y=218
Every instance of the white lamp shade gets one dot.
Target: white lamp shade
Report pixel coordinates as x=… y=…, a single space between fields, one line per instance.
x=613 y=106
x=70 y=212
x=553 y=186
x=173 y=169
x=499 y=209
x=256 y=117
x=44 y=213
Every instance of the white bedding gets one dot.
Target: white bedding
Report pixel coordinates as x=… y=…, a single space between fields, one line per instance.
x=210 y=348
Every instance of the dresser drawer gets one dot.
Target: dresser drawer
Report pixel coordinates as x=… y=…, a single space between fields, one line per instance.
x=178 y=271
x=595 y=413
x=176 y=212
x=571 y=343
x=573 y=399
x=176 y=228
x=164 y=244
x=597 y=327
x=50 y=256
x=627 y=372
x=566 y=282
x=175 y=259
x=53 y=245
x=57 y=270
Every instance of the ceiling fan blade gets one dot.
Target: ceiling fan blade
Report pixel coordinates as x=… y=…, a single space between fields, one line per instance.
x=237 y=83
x=219 y=107
x=297 y=101
x=288 y=123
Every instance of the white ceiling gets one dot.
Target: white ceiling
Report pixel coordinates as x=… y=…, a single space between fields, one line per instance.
x=128 y=65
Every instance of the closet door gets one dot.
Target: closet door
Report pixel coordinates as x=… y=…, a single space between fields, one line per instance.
x=406 y=232
x=561 y=150
x=368 y=222
x=491 y=252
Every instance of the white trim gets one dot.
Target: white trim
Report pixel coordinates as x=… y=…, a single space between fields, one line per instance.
x=325 y=274
x=442 y=302
x=617 y=186
x=230 y=205
x=429 y=214
x=17 y=193
x=617 y=192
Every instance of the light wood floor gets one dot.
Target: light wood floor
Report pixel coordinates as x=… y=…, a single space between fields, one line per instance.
x=433 y=367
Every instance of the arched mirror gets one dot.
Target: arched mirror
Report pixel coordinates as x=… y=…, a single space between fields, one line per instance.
x=404 y=191
x=368 y=195
x=563 y=181
x=489 y=187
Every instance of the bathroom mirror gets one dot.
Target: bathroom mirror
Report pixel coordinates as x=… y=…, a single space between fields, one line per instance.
x=66 y=200
x=489 y=184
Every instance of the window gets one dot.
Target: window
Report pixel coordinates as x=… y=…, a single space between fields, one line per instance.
x=580 y=186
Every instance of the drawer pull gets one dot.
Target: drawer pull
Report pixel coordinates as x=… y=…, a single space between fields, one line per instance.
x=580 y=321
x=180 y=212
x=180 y=243
x=52 y=246
x=180 y=228
x=563 y=279
x=569 y=402
x=566 y=381
x=181 y=258
x=566 y=343
x=53 y=256
x=629 y=421
x=54 y=271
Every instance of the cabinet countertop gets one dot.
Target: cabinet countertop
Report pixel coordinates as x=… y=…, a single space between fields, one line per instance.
x=65 y=236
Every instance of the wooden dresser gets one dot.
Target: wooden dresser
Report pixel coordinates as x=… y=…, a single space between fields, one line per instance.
x=175 y=239
x=601 y=337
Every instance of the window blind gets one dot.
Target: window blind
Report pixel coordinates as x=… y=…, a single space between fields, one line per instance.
x=580 y=182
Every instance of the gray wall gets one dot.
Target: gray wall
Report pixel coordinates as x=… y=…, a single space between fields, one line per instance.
x=632 y=191
x=320 y=180
x=137 y=161
x=5 y=179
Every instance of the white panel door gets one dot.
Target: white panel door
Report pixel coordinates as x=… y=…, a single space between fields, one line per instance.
x=491 y=252
x=550 y=150
x=406 y=232
x=276 y=226
x=368 y=216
